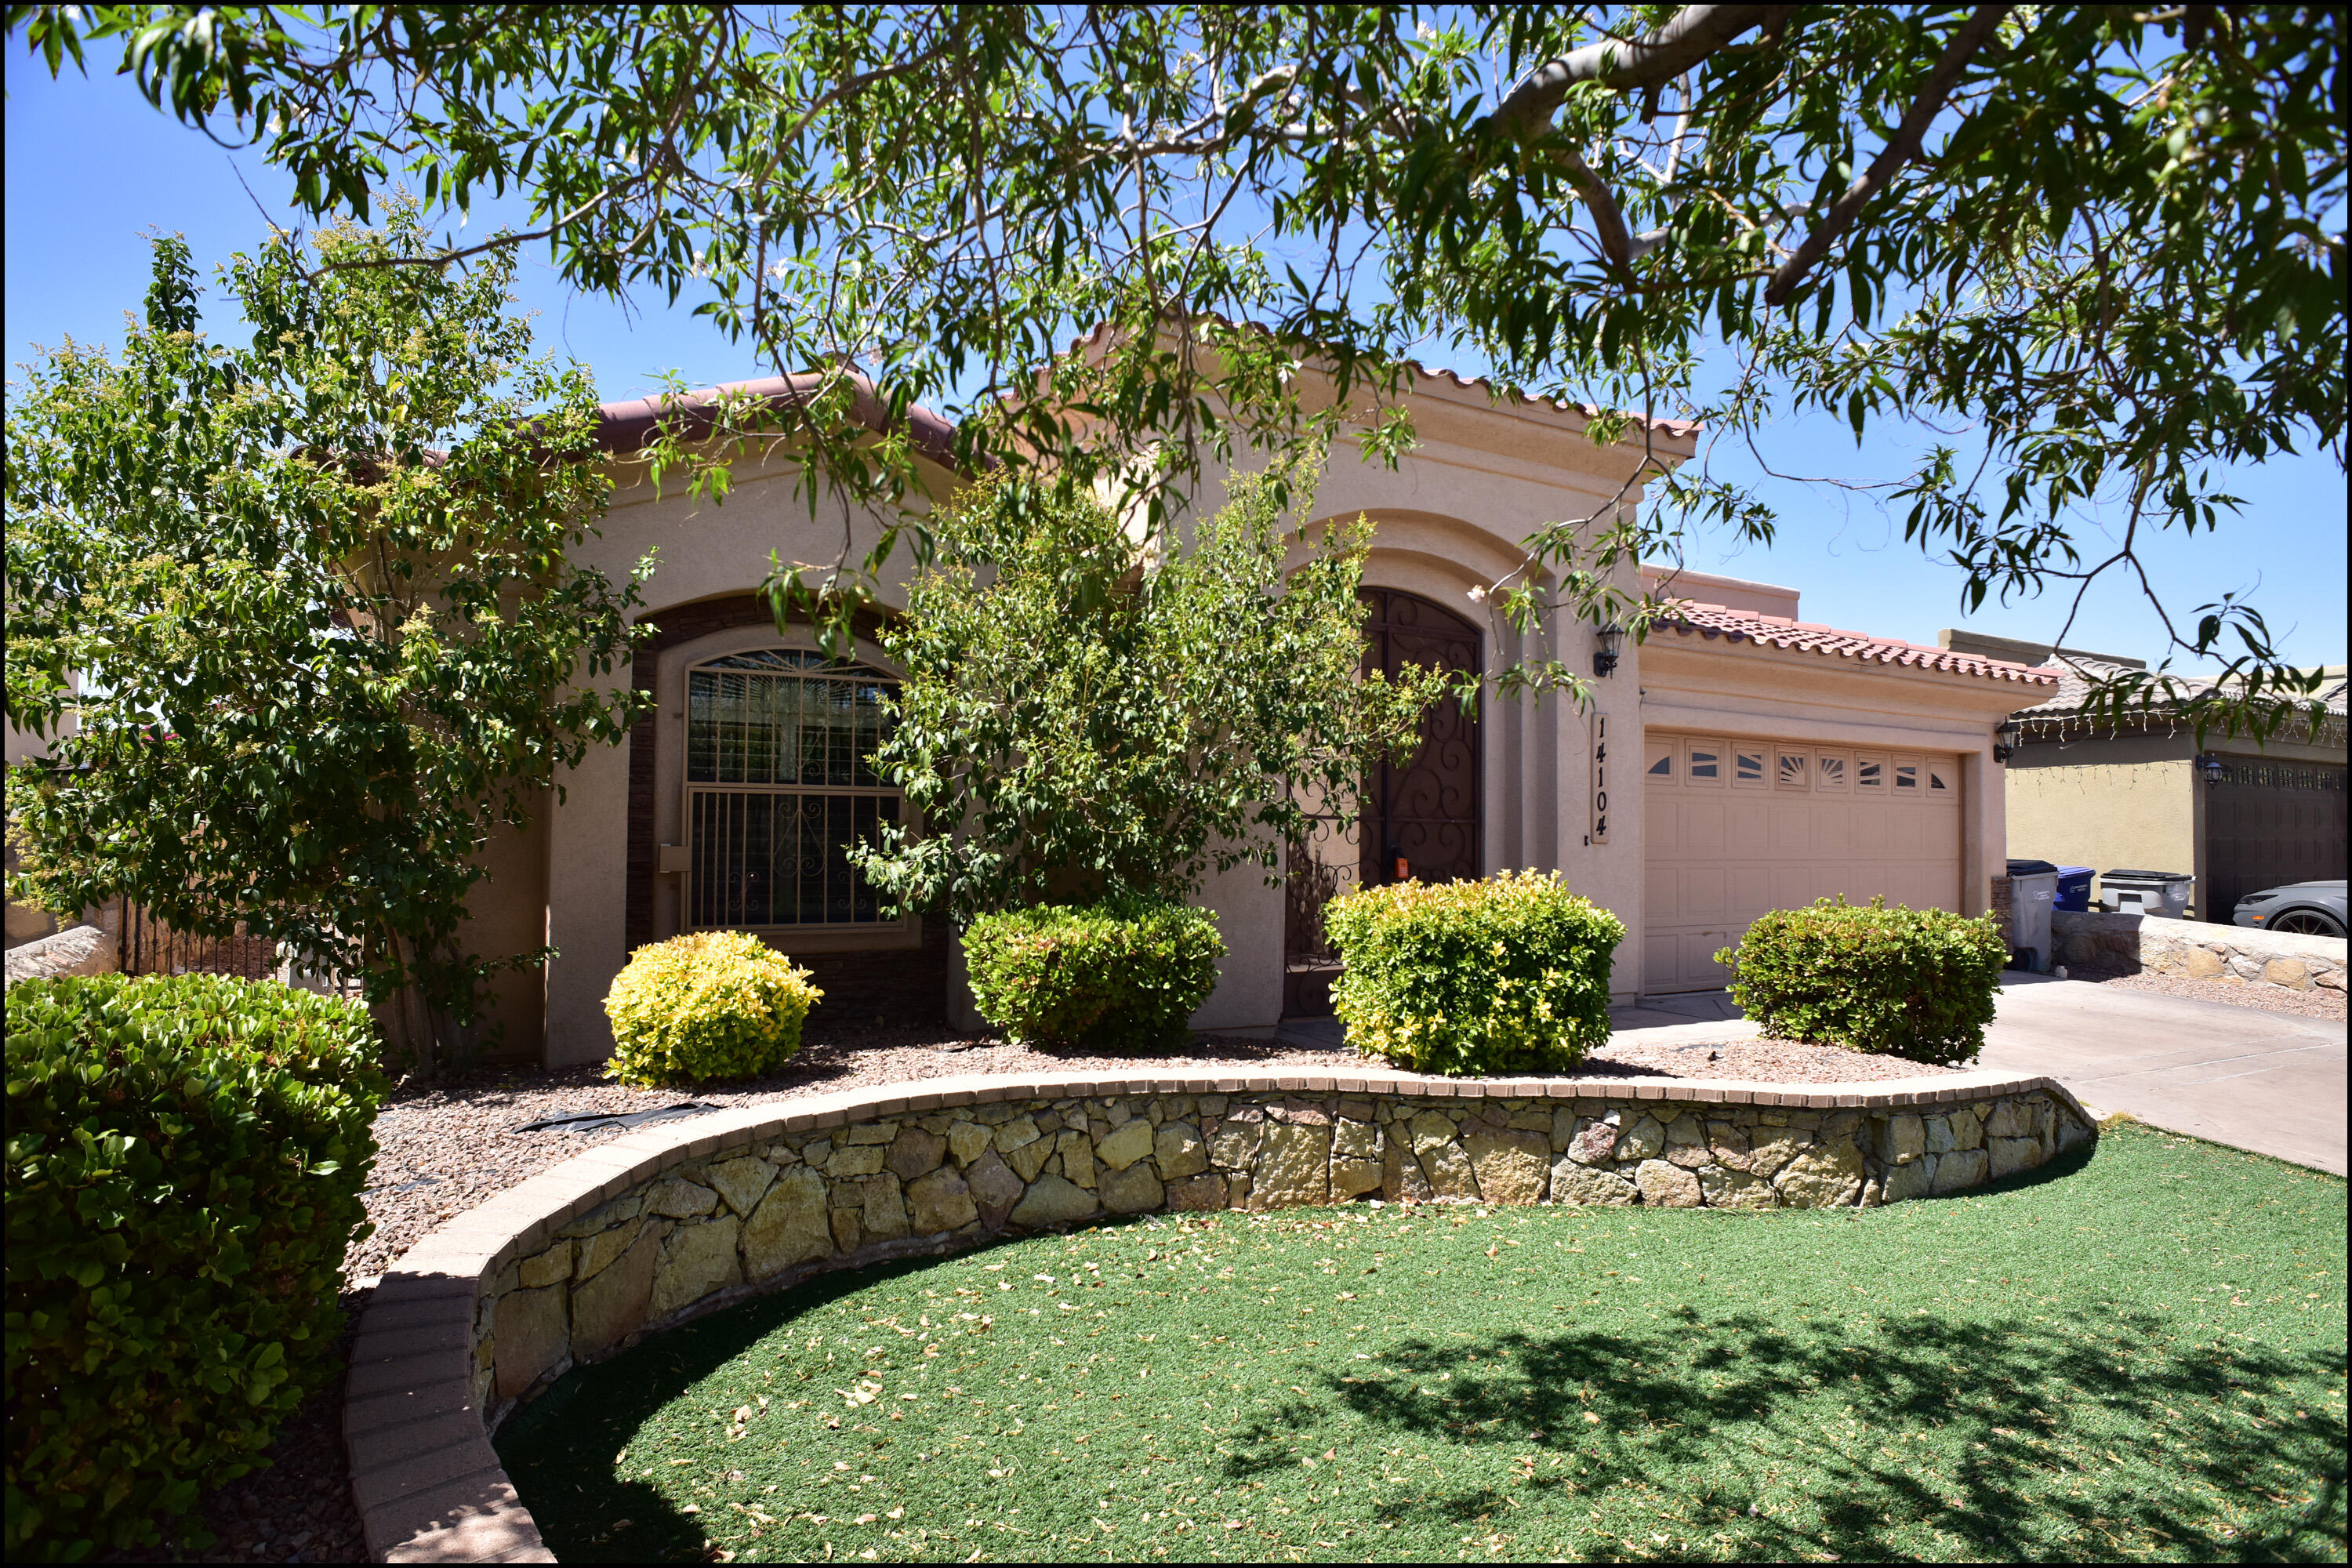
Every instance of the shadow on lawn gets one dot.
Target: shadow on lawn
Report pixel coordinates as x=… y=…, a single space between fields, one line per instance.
x=562 y=1466
x=2014 y=1412
x=2011 y=1407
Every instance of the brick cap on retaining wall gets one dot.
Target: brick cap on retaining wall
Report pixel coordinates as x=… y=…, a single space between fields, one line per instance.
x=429 y=1487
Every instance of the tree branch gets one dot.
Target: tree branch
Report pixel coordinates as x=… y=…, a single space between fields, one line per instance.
x=1607 y=219
x=1658 y=56
x=1900 y=149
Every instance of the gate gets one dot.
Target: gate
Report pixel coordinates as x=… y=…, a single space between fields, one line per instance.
x=2266 y=824
x=151 y=947
x=1422 y=818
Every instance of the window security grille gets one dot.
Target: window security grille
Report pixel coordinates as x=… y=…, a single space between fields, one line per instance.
x=779 y=786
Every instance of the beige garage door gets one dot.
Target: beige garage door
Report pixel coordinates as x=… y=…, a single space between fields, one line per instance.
x=1737 y=827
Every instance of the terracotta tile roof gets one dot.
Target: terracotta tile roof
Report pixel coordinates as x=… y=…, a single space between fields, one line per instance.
x=1711 y=621
x=629 y=424
x=2077 y=673
x=1681 y=428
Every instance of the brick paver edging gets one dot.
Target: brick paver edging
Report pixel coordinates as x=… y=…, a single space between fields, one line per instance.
x=429 y=1485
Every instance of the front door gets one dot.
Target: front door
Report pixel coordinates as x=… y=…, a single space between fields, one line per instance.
x=1421 y=818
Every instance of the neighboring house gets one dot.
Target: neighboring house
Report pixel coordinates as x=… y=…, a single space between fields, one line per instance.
x=2146 y=794
x=1776 y=761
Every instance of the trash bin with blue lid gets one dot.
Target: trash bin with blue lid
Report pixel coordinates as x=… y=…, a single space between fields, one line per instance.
x=2075 y=889
x=2033 y=889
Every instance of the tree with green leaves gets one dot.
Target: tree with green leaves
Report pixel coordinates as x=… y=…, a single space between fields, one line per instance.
x=1086 y=714
x=318 y=592
x=2096 y=252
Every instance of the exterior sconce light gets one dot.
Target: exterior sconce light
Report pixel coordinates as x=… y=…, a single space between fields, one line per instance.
x=2004 y=745
x=1606 y=638
x=2208 y=767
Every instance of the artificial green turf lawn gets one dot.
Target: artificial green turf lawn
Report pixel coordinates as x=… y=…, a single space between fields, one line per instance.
x=2142 y=1356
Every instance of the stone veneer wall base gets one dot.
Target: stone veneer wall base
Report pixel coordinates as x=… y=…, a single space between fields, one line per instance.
x=654 y=1228
x=2198 y=950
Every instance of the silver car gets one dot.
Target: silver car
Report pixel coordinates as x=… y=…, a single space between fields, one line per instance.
x=2301 y=908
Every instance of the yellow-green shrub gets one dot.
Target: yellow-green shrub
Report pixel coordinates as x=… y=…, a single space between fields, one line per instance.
x=1510 y=975
x=717 y=1004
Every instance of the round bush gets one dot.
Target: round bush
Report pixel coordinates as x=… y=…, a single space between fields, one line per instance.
x=185 y=1162
x=1916 y=983
x=1510 y=975
x=717 y=1004
x=1116 y=976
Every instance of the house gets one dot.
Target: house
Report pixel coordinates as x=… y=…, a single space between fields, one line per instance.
x=2149 y=794
x=1737 y=761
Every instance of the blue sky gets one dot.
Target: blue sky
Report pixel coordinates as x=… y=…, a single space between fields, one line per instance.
x=91 y=168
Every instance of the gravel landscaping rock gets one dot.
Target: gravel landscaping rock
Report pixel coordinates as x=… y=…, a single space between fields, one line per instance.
x=2316 y=1003
x=299 y=1507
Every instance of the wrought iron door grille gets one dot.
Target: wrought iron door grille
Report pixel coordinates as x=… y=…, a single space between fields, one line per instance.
x=780 y=787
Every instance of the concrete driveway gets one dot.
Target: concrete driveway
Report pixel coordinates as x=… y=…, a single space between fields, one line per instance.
x=2271 y=1082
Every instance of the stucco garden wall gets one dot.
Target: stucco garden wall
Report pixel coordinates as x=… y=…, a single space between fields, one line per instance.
x=2197 y=950
x=660 y=1226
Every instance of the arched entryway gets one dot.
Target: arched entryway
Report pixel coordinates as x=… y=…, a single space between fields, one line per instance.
x=1422 y=818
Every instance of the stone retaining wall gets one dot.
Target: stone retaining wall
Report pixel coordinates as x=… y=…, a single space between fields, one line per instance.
x=78 y=949
x=664 y=1225
x=2197 y=950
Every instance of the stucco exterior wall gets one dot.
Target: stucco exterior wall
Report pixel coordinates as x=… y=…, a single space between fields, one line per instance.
x=508 y=915
x=1447 y=520
x=703 y=550
x=2107 y=804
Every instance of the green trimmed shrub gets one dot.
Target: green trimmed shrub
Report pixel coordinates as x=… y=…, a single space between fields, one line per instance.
x=710 y=1005
x=185 y=1160
x=1120 y=977
x=1915 y=983
x=1509 y=974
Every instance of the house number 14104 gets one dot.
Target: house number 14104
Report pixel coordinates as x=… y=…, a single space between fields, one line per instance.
x=1600 y=833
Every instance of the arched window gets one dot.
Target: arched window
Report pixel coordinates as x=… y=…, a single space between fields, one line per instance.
x=779 y=785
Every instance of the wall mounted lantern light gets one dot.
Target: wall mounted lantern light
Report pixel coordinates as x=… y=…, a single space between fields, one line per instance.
x=1606 y=638
x=2208 y=767
x=2004 y=745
